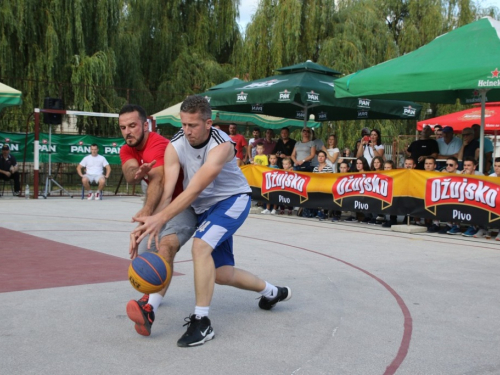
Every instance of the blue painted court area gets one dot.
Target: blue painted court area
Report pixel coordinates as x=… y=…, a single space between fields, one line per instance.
x=366 y=300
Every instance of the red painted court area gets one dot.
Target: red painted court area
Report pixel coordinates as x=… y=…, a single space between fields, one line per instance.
x=28 y=262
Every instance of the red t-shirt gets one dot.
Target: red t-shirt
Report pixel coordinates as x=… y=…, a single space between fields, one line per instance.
x=240 y=143
x=153 y=150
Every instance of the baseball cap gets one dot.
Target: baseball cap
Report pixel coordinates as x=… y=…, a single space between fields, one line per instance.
x=365 y=131
x=447 y=129
x=5 y=147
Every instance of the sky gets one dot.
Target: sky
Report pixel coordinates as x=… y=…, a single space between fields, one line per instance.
x=248 y=8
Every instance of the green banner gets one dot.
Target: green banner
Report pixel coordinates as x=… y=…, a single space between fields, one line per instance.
x=63 y=148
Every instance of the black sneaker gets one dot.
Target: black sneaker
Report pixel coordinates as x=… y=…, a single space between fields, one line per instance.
x=434 y=228
x=142 y=314
x=284 y=294
x=199 y=330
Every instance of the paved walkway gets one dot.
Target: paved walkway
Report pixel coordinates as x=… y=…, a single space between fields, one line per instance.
x=366 y=300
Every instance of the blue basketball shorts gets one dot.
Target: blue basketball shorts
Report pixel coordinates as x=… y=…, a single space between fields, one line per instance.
x=217 y=225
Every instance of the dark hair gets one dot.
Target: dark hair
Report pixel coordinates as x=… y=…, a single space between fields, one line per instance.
x=431 y=158
x=497 y=160
x=129 y=108
x=256 y=129
x=259 y=144
x=366 y=167
x=470 y=158
x=455 y=159
x=197 y=104
x=438 y=127
x=379 y=138
x=380 y=159
x=412 y=159
x=94 y=145
x=346 y=163
x=286 y=128
x=321 y=152
x=391 y=163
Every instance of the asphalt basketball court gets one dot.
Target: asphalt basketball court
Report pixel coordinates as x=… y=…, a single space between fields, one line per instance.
x=366 y=300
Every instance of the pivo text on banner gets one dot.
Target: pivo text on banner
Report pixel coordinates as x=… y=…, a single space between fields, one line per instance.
x=432 y=195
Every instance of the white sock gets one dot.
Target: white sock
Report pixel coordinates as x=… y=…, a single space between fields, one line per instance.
x=269 y=291
x=155 y=300
x=201 y=311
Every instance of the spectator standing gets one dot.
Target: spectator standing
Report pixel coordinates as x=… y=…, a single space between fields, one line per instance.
x=371 y=146
x=304 y=152
x=94 y=165
x=252 y=151
x=361 y=166
x=287 y=166
x=284 y=146
x=423 y=147
x=451 y=167
x=488 y=149
x=319 y=144
x=449 y=145
x=268 y=142
x=241 y=144
x=332 y=152
x=9 y=168
x=260 y=158
x=470 y=146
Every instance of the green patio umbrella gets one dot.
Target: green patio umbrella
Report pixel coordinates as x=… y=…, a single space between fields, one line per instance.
x=170 y=116
x=462 y=64
x=9 y=96
x=302 y=90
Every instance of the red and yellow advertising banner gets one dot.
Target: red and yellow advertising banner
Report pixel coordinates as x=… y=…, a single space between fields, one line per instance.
x=433 y=195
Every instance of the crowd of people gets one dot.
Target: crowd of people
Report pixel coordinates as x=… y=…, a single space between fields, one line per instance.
x=435 y=150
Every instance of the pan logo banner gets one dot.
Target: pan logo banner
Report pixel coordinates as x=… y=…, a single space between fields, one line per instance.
x=364 y=103
x=241 y=97
x=312 y=97
x=284 y=96
x=430 y=195
x=409 y=111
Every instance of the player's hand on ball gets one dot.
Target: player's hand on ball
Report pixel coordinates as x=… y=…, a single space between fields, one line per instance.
x=151 y=225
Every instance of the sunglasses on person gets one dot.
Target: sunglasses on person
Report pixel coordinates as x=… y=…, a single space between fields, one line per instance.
x=450 y=165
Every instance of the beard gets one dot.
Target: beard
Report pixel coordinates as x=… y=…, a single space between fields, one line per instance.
x=135 y=142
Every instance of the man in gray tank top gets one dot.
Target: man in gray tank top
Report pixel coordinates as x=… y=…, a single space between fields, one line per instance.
x=220 y=195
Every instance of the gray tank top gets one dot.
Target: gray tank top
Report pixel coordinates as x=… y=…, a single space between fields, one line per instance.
x=230 y=180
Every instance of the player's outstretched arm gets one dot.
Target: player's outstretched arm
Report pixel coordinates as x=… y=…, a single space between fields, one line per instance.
x=216 y=160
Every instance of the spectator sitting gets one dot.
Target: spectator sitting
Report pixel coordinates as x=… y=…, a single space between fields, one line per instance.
x=423 y=147
x=332 y=152
x=343 y=168
x=389 y=165
x=322 y=167
x=361 y=166
x=9 y=168
x=470 y=164
x=451 y=167
x=94 y=165
x=430 y=166
x=273 y=163
x=241 y=144
x=304 y=152
x=260 y=158
x=496 y=173
x=284 y=146
x=410 y=163
x=376 y=165
x=287 y=166
x=371 y=146
x=393 y=219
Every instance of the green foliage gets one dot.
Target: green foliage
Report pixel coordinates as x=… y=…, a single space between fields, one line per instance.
x=99 y=54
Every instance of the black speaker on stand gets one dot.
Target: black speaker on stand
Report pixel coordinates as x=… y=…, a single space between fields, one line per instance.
x=52 y=119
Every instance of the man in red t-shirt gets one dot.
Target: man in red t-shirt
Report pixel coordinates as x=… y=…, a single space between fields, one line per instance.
x=241 y=144
x=142 y=158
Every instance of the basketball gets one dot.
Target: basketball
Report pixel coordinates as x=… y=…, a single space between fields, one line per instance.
x=149 y=273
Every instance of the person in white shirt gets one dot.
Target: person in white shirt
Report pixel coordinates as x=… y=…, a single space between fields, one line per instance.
x=371 y=146
x=94 y=165
x=496 y=168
